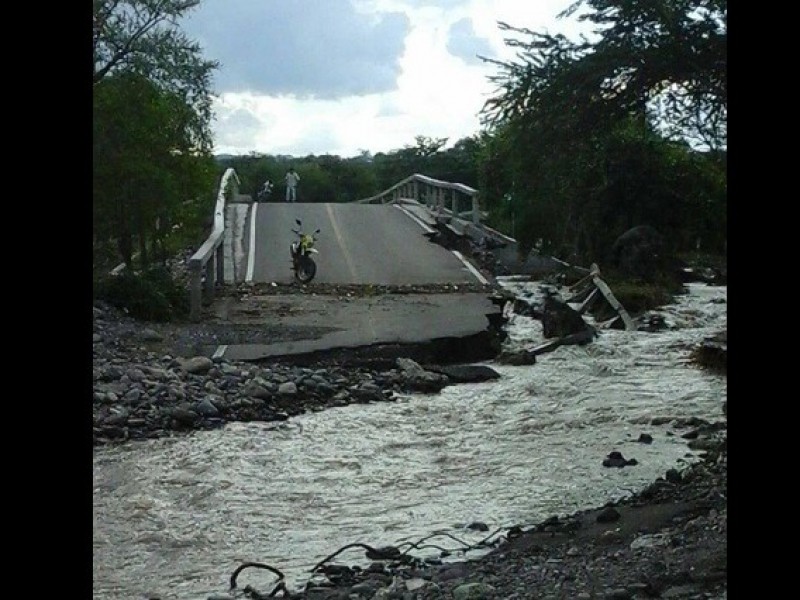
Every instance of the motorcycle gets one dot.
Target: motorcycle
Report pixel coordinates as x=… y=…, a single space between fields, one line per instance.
x=264 y=193
x=301 y=251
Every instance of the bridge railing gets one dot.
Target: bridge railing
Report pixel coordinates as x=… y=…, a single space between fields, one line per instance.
x=207 y=265
x=452 y=199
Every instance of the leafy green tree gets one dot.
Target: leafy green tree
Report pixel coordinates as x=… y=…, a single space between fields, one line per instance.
x=351 y=179
x=395 y=166
x=590 y=137
x=459 y=164
x=668 y=56
x=151 y=123
x=145 y=165
x=143 y=36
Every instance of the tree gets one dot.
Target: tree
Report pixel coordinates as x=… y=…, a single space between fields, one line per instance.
x=145 y=165
x=152 y=113
x=143 y=37
x=587 y=135
x=670 y=55
x=665 y=60
x=429 y=157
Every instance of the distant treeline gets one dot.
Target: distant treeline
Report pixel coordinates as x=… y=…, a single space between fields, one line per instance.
x=638 y=180
x=331 y=178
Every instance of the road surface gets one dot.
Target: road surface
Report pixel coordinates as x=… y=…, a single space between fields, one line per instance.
x=358 y=244
x=358 y=322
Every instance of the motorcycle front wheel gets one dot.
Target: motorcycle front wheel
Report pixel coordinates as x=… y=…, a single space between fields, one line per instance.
x=305 y=269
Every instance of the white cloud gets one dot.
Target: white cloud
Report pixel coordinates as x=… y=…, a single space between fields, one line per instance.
x=338 y=77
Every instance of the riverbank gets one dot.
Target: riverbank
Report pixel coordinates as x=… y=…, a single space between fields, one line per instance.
x=667 y=541
x=151 y=380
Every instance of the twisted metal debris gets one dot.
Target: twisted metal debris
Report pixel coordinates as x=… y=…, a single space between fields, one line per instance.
x=340 y=574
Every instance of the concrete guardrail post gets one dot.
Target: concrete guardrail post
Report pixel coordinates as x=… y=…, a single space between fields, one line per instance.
x=220 y=260
x=208 y=291
x=195 y=290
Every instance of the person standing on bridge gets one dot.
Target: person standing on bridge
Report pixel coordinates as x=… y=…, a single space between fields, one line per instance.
x=292 y=179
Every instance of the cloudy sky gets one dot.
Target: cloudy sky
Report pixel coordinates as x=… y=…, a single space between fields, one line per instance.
x=340 y=77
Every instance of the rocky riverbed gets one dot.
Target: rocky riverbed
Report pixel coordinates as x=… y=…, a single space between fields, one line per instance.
x=667 y=541
x=146 y=386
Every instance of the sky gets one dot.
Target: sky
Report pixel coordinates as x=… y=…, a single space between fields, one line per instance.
x=344 y=77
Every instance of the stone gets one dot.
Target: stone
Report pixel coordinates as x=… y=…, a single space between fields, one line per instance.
x=473 y=591
x=467 y=373
x=560 y=319
x=206 y=408
x=183 y=415
x=417 y=583
x=150 y=335
x=288 y=388
x=608 y=515
x=196 y=365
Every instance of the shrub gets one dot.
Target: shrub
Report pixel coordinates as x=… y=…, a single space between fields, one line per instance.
x=636 y=297
x=152 y=295
x=639 y=297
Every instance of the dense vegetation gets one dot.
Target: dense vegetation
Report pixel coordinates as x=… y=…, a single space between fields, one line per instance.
x=153 y=173
x=583 y=140
x=335 y=179
x=592 y=138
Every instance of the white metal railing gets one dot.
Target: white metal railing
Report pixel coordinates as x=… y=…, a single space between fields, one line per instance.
x=210 y=257
x=442 y=196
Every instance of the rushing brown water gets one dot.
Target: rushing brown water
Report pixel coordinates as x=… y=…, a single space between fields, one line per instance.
x=173 y=518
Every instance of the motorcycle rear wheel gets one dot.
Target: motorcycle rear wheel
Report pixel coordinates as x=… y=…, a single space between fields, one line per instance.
x=305 y=270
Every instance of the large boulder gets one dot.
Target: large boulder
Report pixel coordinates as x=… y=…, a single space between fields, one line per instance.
x=417 y=379
x=559 y=319
x=640 y=252
x=466 y=373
